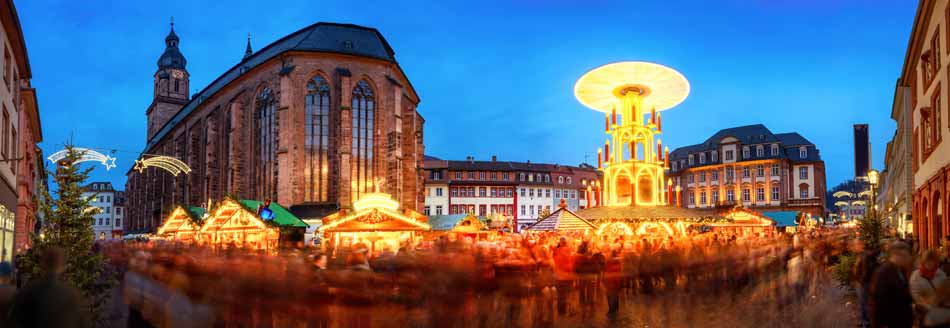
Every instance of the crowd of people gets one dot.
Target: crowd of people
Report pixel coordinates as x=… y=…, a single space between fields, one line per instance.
x=541 y=280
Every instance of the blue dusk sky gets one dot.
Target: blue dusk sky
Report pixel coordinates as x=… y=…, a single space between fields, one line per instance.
x=496 y=77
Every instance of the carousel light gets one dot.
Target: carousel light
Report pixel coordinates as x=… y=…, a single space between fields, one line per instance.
x=167 y=163
x=87 y=155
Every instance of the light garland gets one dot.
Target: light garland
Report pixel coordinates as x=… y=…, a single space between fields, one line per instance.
x=167 y=163
x=88 y=155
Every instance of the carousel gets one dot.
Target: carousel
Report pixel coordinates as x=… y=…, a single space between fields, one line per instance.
x=375 y=221
x=633 y=198
x=182 y=224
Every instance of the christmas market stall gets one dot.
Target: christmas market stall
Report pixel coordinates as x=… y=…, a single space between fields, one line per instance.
x=375 y=221
x=785 y=221
x=459 y=225
x=250 y=224
x=183 y=223
x=660 y=222
x=562 y=220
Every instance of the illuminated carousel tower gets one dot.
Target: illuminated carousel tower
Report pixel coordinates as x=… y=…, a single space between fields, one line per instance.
x=633 y=159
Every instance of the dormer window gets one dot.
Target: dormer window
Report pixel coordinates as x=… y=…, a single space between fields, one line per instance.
x=674 y=166
x=690 y=160
x=759 y=151
x=774 y=149
x=714 y=156
x=569 y=180
x=745 y=152
x=803 y=152
x=702 y=158
x=560 y=180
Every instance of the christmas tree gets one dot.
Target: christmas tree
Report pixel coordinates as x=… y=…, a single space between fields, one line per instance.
x=67 y=224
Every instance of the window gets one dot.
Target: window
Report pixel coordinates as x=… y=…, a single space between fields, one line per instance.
x=16 y=152
x=481 y=192
x=471 y=191
x=118 y=221
x=803 y=152
x=482 y=210
x=458 y=175
x=803 y=172
x=760 y=194
x=702 y=158
x=690 y=199
x=560 y=180
x=730 y=195
x=426 y=211
x=537 y=177
x=774 y=149
x=455 y=192
x=547 y=193
x=108 y=209
x=702 y=176
x=745 y=195
x=714 y=175
x=557 y=193
x=760 y=170
x=730 y=174
x=803 y=191
x=481 y=175
x=715 y=197
x=521 y=177
x=363 y=112
x=690 y=160
x=100 y=221
x=438 y=192
x=531 y=209
x=729 y=155
x=438 y=210
x=714 y=156
x=522 y=193
x=775 y=195
x=745 y=171
x=118 y=210
x=745 y=152
x=774 y=170
x=569 y=181
x=936 y=53
x=316 y=141
x=494 y=192
x=674 y=166
x=759 y=151
x=689 y=178
x=504 y=176
x=265 y=145
x=531 y=192
x=7 y=67
x=435 y=175
x=702 y=198
x=935 y=104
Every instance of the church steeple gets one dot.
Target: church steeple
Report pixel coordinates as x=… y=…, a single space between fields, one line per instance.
x=171 y=84
x=247 y=51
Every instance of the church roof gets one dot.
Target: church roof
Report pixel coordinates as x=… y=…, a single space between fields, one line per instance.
x=346 y=39
x=172 y=57
x=561 y=220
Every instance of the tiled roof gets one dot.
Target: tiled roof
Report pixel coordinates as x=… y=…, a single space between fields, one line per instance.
x=783 y=218
x=562 y=220
x=756 y=134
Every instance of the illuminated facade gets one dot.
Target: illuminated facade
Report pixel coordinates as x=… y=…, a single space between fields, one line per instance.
x=632 y=160
x=307 y=121
x=377 y=221
x=752 y=167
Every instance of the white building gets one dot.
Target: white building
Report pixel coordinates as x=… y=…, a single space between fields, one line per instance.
x=107 y=223
x=523 y=192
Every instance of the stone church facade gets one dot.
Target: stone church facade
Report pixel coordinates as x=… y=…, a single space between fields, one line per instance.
x=311 y=121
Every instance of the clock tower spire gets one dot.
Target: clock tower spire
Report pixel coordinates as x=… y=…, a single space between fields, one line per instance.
x=170 y=86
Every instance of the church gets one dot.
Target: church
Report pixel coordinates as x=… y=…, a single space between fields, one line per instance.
x=311 y=121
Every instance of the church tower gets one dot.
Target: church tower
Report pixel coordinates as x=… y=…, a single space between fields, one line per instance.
x=171 y=85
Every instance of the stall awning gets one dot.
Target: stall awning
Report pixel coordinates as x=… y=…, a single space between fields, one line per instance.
x=562 y=220
x=282 y=216
x=783 y=218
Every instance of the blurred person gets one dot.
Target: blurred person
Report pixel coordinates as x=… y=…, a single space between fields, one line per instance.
x=7 y=292
x=864 y=266
x=939 y=314
x=924 y=282
x=891 y=301
x=613 y=281
x=50 y=301
x=563 y=273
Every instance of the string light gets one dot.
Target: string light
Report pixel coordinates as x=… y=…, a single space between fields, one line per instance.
x=87 y=155
x=167 y=163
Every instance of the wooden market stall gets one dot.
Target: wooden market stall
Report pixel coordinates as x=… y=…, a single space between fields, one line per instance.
x=182 y=224
x=562 y=220
x=375 y=221
x=236 y=223
x=660 y=222
x=465 y=225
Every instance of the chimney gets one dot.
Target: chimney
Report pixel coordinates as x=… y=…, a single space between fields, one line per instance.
x=494 y=158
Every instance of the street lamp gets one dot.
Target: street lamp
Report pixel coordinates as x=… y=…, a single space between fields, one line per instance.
x=873 y=177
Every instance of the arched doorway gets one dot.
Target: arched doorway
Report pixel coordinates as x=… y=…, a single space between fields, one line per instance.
x=645 y=194
x=925 y=223
x=623 y=188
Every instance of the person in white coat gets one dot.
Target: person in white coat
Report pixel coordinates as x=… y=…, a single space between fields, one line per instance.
x=924 y=281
